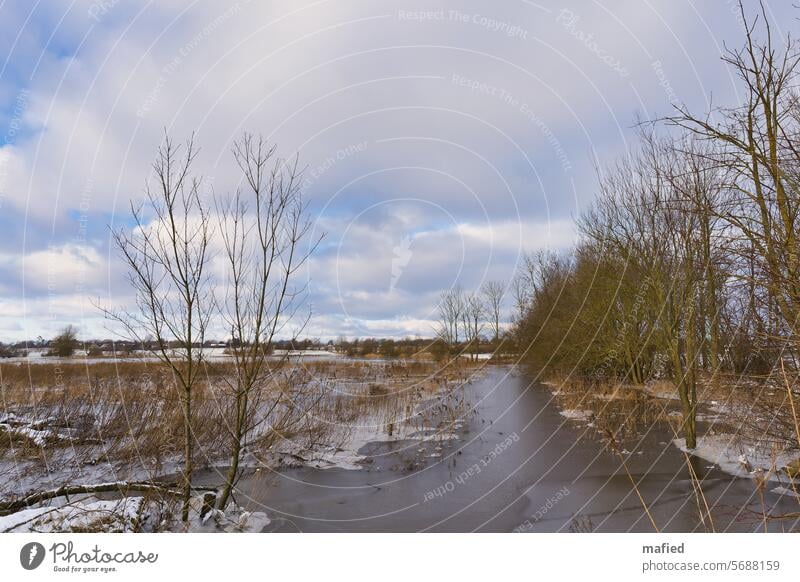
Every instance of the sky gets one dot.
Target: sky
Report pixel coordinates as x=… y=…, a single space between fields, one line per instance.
x=440 y=140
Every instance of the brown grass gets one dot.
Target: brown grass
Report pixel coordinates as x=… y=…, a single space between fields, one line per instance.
x=128 y=415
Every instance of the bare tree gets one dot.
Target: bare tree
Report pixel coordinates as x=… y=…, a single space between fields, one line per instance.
x=523 y=285
x=757 y=142
x=493 y=295
x=167 y=255
x=451 y=313
x=473 y=321
x=262 y=232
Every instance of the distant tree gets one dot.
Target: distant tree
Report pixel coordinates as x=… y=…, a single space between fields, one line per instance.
x=369 y=346
x=493 y=294
x=523 y=285
x=9 y=351
x=389 y=349
x=452 y=309
x=473 y=317
x=64 y=344
x=439 y=349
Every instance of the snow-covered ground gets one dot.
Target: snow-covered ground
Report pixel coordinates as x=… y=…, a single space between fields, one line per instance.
x=743 y=458
x=39 y=432
x=130 y=514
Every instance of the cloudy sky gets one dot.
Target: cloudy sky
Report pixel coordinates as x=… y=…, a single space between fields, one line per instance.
x=441 y=140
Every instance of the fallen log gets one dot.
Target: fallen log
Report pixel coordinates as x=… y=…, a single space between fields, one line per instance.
x=122 y=487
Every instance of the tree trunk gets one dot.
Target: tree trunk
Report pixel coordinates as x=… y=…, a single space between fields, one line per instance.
x=686 y=376
x=187 y=454
x=236 y=451
x=123 y=487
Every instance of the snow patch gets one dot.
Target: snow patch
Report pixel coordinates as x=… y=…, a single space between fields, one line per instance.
x=742 y=458
x=79 y=516
x=786 y=491
x=575 y=414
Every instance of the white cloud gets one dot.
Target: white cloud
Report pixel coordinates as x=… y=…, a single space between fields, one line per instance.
x=64 y=269
x=525 y=236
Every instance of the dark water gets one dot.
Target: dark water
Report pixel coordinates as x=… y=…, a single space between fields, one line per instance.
x=518 y=465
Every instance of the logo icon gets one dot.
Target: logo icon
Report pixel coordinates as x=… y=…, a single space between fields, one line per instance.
x=31 y=555
x=401 y=257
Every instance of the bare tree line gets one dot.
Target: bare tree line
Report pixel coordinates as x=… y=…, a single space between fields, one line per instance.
x=465 y=316
x=688 y=261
